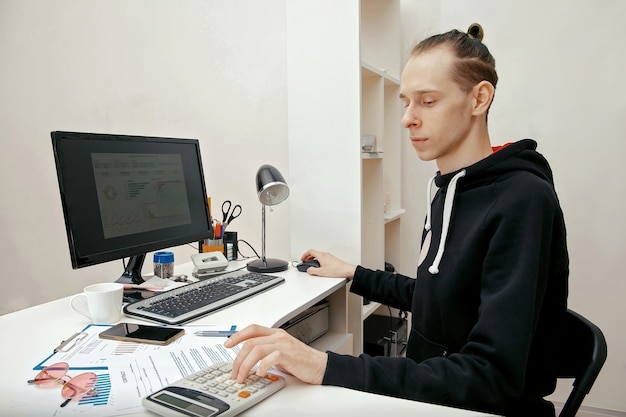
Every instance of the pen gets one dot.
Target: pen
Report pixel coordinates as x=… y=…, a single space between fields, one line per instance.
x=215 y=333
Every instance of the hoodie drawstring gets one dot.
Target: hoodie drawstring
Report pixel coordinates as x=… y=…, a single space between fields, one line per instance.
x=447 y=213
x=428 y=201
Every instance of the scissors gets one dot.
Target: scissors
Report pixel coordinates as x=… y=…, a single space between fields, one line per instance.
x=230 y=215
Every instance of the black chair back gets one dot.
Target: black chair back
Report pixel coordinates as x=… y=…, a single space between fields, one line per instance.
x=582 y=353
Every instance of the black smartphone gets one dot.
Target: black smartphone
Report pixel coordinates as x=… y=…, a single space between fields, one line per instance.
x=142 y=333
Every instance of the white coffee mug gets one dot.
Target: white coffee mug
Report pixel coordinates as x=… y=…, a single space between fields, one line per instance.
x=102 y=303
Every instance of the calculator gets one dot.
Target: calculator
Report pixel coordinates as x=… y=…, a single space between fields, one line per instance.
x=212 y=392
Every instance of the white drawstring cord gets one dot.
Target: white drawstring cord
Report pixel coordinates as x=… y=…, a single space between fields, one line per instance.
x=447 y=213
x=428 y=201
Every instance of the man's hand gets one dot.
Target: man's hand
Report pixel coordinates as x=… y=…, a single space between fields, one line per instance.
x=275 y=347
x=330 y=265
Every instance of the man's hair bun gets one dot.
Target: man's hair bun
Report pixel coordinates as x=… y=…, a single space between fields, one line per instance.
x=475 y=31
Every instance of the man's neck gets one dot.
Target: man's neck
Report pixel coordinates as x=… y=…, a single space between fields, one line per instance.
x=475 y=147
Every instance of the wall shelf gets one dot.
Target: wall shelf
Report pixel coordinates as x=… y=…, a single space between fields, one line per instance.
x=371 y=155
x=368 y=309
x=393 y=215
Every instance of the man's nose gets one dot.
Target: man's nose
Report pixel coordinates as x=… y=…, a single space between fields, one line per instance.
x=410 y=118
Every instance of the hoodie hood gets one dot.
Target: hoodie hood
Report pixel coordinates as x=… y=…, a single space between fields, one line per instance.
x=518 y=156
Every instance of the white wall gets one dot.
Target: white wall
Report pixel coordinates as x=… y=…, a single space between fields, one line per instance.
x=324 y=151
x=212 y=70
x=561 y=66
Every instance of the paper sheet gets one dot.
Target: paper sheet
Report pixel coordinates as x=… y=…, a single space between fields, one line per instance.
x=144 y=374
x=126 y=372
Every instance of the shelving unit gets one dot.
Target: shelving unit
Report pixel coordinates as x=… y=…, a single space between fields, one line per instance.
x=381 y=111
x=332 y=102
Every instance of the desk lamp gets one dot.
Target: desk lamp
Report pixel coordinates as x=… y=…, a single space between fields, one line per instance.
x=272 y=189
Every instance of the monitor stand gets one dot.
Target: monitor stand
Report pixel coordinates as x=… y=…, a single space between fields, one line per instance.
x=132 y=272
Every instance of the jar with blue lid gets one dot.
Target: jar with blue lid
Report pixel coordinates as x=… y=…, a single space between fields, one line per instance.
x=163 y=264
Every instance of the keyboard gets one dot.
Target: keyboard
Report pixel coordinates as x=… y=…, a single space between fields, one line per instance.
x=201 y=298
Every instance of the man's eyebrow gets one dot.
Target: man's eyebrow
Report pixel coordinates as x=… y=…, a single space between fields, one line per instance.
x=418 y=92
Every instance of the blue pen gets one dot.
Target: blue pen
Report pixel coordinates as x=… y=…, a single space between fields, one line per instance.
x=217 y=333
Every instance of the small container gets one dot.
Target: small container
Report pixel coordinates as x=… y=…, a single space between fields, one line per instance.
x=163 y=264
x=230 y=244
x=213 y=245
x=368 y=143
x=387 y=203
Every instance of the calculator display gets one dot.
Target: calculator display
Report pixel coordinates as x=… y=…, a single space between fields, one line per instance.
x=179 y=402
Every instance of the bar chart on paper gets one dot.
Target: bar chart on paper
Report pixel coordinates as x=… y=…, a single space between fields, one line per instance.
x=102 y=393
x=125 y=348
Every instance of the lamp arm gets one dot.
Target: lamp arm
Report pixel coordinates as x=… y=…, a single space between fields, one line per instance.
x=263 y=234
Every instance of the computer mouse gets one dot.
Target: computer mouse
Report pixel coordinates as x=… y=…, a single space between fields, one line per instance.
x=303 y=266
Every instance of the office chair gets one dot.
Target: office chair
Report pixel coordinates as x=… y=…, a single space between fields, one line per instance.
x=582 y=352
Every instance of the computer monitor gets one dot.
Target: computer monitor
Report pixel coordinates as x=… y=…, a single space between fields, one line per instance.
x=124 y=196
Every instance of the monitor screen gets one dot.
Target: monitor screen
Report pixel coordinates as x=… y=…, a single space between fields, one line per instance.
x=123 y=196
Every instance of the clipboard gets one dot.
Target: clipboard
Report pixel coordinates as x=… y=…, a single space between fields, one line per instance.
x=85 y=350
x=71 y=348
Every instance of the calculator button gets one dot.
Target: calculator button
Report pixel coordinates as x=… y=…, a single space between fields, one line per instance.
x=244 y=394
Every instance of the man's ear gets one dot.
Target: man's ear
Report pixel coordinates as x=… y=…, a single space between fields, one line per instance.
x=483 y=96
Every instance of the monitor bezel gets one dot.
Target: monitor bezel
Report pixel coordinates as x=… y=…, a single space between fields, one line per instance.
x=79 y=258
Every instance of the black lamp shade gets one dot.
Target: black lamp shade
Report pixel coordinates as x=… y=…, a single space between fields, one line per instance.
x=271 y=186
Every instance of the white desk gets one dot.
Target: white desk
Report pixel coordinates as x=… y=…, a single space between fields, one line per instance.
x=31 y=334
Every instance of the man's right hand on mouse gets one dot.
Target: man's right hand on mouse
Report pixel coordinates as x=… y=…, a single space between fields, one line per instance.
x=330 y=265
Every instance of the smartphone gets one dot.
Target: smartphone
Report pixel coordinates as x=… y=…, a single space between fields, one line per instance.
x=142 y=333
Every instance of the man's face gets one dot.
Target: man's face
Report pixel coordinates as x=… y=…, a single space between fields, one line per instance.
x=438 y=113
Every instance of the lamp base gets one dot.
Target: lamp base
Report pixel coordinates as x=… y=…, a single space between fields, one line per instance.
x=267 y=266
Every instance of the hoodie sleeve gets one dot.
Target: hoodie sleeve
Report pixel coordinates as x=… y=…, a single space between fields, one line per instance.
x=490 y=371
x=394 y=290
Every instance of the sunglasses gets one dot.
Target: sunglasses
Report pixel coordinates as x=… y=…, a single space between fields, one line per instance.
x=79 y=386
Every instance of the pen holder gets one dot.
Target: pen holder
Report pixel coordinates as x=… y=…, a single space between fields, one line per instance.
x=213 y=245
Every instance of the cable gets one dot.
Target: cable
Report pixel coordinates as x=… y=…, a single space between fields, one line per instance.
x=250 y=246
x=390 y=319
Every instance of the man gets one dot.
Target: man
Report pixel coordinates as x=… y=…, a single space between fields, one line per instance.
x=491 y=287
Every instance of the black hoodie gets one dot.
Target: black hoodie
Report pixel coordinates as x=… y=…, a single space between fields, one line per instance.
x=489 y=299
